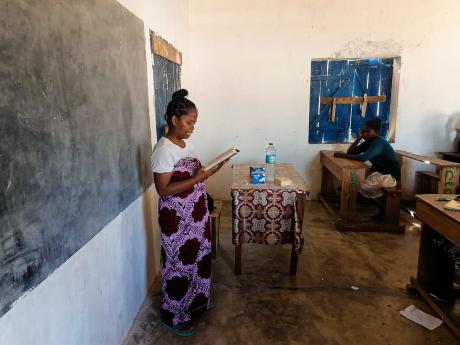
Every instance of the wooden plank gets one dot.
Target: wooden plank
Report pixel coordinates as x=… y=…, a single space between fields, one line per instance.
x=428 y=160
x=352 y=100
x=336 y=165
x=435 y=270
x=215 y=223
x=327 y=183
x=449 y=180
x=432 y=213
x=351 y=180
x=426 y=182
x=392 y=203
x=342 y=162
x=166 y=50
x=328 y=161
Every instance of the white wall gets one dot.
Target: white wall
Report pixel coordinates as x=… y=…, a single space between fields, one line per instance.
x=169 y=19
x=249 y=73
x=94 y=296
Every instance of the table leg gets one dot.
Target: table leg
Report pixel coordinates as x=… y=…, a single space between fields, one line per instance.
x=448 y=180
x=435 y=270
x=293 y=263
x=238 y=259
x=392 y=204
x=300 y=207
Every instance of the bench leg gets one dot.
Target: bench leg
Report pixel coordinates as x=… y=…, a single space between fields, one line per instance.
x=392 y=203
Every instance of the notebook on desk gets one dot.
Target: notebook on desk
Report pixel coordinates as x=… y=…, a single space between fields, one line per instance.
x=453 y=205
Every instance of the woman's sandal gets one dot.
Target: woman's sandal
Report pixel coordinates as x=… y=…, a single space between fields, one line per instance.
x=182 y=330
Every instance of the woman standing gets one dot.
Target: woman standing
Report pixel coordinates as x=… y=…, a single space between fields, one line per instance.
x=183 y=218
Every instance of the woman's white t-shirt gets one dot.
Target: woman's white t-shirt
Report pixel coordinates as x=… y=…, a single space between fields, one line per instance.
x=166 y=154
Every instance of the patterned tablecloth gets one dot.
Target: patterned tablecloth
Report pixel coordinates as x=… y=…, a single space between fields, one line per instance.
x=267 y=213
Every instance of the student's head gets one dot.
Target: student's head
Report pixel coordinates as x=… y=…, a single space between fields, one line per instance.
x=181 y=114
x=371 y=129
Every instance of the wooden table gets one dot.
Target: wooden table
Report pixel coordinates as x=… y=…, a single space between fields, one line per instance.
x=435 y=272
x=267 y=213
x=448 y=171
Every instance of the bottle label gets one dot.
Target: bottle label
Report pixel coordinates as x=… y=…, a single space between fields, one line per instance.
x=270 y=159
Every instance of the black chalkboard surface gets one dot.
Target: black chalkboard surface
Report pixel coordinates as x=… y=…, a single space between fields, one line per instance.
x=166 y=76
x=74 y=131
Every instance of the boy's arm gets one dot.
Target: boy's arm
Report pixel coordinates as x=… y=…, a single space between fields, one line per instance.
x=371 y=151
x=354 y=147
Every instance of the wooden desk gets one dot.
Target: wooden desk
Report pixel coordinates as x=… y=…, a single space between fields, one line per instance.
x=434 y=271
x=267 y=213
x=448 y=171
x=450 y=156
x=350 y=173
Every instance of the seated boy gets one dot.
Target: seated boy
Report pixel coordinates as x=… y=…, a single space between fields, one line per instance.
x=385 y=170
x=374 y=149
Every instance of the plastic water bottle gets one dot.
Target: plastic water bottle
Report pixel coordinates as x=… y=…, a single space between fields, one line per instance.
x=270 y=159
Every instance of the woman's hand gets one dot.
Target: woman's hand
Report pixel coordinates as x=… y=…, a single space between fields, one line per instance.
x=202 y=175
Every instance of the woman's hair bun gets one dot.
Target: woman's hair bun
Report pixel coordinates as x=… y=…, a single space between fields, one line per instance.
x=182 y=93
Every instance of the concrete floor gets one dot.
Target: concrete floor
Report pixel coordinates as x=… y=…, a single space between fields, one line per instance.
x=267 y=306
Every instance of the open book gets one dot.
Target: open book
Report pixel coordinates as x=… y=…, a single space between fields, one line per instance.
x=453 y=205
x=219 y=159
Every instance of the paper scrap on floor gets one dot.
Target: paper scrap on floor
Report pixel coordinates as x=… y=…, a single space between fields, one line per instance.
x=420 y=317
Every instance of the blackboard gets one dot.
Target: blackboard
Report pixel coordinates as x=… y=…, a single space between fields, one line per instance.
x=166 y=76
x=74 y=131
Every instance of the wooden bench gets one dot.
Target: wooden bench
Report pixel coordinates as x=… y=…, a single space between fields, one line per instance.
x=447 y=176
x=351 y=174
x=215 y=225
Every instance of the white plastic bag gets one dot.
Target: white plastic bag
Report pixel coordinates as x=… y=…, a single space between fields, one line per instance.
x=372 y=186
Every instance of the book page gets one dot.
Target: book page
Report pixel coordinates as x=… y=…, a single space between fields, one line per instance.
x=453 y=205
